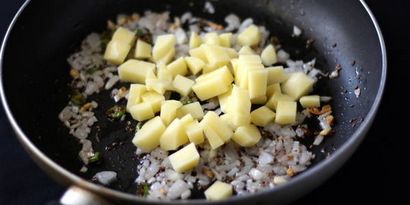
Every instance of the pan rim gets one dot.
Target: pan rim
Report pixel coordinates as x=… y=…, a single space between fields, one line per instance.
x=342 y=153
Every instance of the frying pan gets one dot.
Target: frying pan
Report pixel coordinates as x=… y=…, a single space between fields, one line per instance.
x=34 y=79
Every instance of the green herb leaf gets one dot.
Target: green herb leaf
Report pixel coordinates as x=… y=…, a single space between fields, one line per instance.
x=186 y=100
x=116 y=112
x=139 y=126
x=92 y=70
x=77 y=98
x=95 y=158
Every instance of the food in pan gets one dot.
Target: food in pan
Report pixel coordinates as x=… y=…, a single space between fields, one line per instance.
x=218 y=108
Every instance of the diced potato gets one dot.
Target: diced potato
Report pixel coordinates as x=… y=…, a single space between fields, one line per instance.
x=273 y=89
x=134 y=95
x=216 y=56
x=164 y=44
x=247 y=136
x=198 y=53
x=195 y=109
x=227 y=119
x=167 y=58
x=211 y=38
x=240 y=106
x=211 y=119
x=116 y=52
x=249 y=37
x=213 y=84
x=297 y=85
x=143 y=50
x=156 y=85
x=186 y=120
x=185 y=159
x=169 y=110
x=259 y=100
x=218 y=191
x=194 y=40
x=276 y=75
x=194 y=64
x=246 y=50
x=246 y=63
x=173 y=136
x=178 y=67
x=182 y=85
x=250 y=59
x=207 y=69
x=124 y=35
x=268 y=56
x=224 y=100
x=310 y=101
x=154 y=99
x=165 y=76
x=262 y=116
x=212 y=136
x=225 y=39
x=135 y=71
x=222 y=73
x=147 y=138
x=195 y=133
x=273 y=101
x=286 y=112
x=257 y=83
x=142 y=111
x=231 y=52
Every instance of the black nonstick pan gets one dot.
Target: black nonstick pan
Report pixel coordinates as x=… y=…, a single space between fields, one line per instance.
x=34 y=79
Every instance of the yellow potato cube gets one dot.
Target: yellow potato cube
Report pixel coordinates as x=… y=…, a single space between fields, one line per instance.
x=273 y=89
x=198 y=53
x=142 y=111
x=222 y=73
x=259 y=100
x=231 y=52
x=184 y=159
x=154 y=99
x=194 y=40
x=262 y=116
x=297 y=85
x=173 y=136
x=276 y=75
x=194 y=64
x=211 y=38
x=225 y=39
x=169 y=110
x=240 y=107
x=286 y=112
x=134 y=95
x=208 y=68
x=147 y=138
x=159 y=86
x=310 y=101
x=182 y=85
x=216 y=56
x=218 y=191
x=250 y=59
x=167 y=58
x=116 y=52
x=178 y=67
x=135 y=71
x=246 y=50
x=212 y=136
x=186 y=120
x=124 y=35
x=268 y=56
x=195 y=133
x=224 y=100
x=273 y=101
x=165 y=76
x=210 y=87
x=249 y=37
x=228 y=120
x=247 y=136
x=211 y=119
x=143 y=50
x=162 y=46
x=257 y=83
x=194 y=109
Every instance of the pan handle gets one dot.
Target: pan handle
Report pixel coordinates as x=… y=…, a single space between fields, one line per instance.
x=78 y=196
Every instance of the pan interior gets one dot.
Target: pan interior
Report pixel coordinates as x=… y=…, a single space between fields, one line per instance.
x=35 y=70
